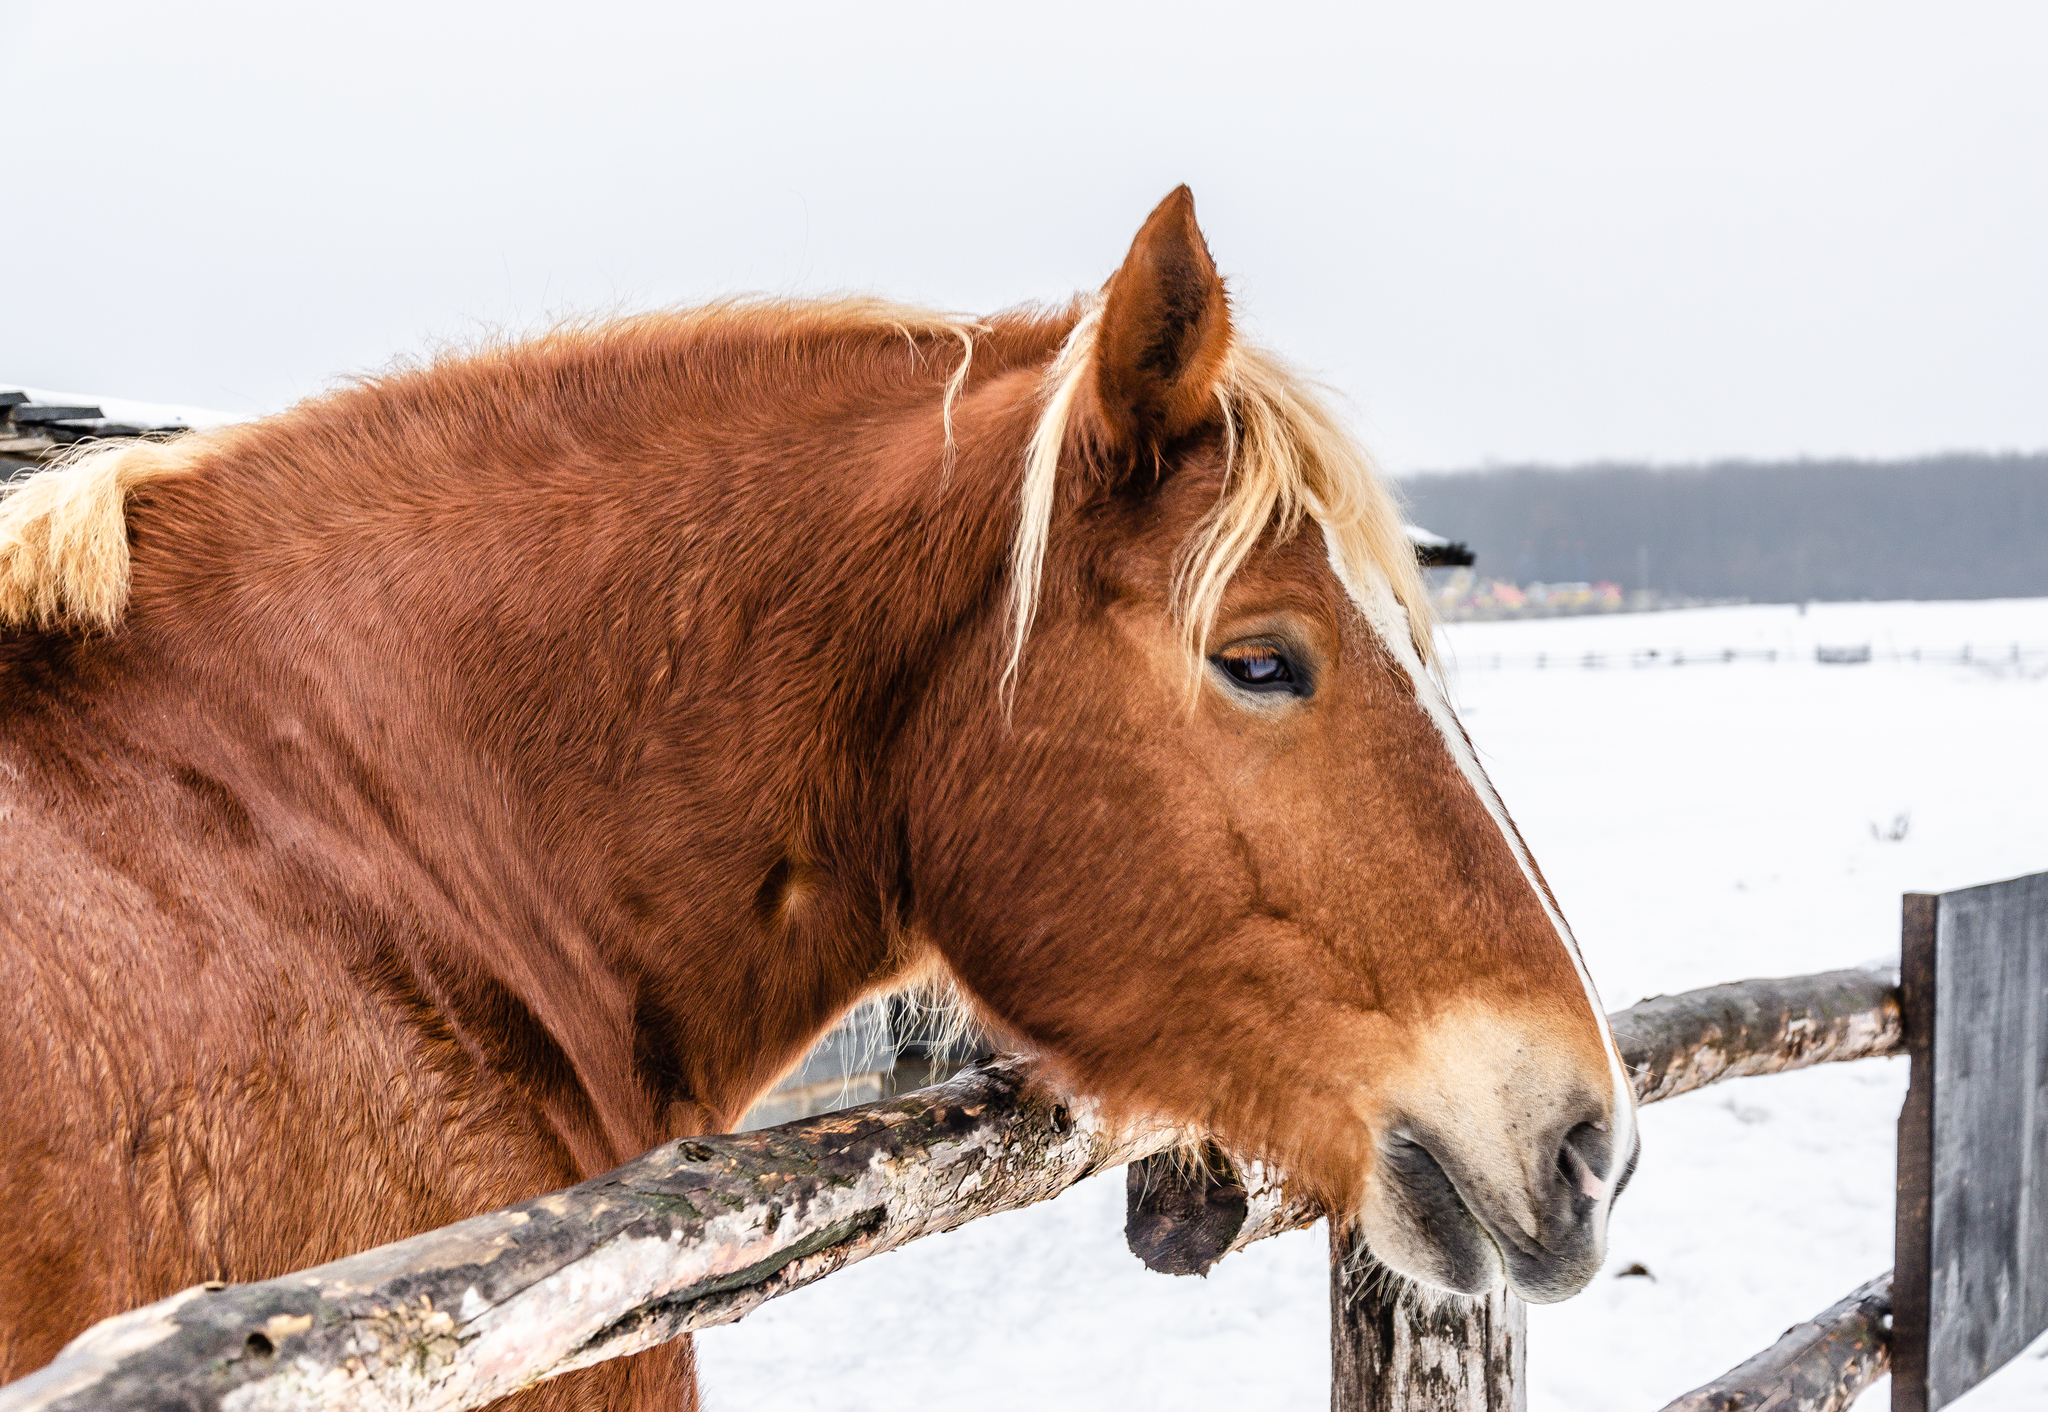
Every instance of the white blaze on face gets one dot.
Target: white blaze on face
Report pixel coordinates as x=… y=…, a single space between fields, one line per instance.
x=1389 y=621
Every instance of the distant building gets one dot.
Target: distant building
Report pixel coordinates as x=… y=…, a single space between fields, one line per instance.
x=1436 y=552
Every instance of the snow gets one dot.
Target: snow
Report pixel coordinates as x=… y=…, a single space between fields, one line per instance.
x=1700 y=824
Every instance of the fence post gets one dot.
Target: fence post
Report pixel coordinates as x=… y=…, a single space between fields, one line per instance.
x=1397 y=1347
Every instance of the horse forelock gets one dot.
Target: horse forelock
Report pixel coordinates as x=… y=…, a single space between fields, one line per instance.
x=1288 y=458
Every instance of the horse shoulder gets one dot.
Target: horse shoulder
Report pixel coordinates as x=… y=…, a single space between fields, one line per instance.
x=218 y=1086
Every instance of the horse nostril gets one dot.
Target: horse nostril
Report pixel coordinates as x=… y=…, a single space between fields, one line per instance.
x=1585 y=1154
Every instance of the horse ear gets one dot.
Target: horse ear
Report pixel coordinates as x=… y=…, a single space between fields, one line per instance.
x=1165 y=329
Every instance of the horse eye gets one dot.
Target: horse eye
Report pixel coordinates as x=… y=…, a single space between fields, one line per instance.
x=1259 y=668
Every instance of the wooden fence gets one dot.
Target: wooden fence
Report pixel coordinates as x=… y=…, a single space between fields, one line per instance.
x=699 y=1232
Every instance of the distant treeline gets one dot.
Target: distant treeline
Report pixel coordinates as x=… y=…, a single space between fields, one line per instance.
x=1954 y=526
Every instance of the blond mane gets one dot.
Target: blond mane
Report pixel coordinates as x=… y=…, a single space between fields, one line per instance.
x=1287 y=458
x=64 y=531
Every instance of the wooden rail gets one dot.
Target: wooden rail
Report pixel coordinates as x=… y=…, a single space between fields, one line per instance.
x=1818 y=1366
x=693 y=1234
x=1673 y=1044
x=699 y=1232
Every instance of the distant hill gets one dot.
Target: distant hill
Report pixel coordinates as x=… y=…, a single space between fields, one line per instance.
x=1952 y=526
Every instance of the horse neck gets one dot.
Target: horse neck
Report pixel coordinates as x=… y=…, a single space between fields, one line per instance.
x=630 y=699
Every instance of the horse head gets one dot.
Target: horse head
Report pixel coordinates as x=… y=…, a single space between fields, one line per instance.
x=729 y=685
x=1218 y=846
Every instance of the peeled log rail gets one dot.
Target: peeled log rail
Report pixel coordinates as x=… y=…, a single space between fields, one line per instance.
x=1674 y=1044
x=693 y=1234
x=699 y=1232
x=1818 y=1366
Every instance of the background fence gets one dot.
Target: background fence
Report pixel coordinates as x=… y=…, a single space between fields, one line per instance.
x=2008 y=655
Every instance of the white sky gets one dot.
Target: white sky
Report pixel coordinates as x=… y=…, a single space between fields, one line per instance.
x=1504 y=231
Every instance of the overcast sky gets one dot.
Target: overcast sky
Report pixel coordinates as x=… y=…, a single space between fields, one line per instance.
x=1557 y=231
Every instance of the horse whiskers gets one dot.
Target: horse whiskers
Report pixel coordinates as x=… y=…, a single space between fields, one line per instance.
x=936 y=1014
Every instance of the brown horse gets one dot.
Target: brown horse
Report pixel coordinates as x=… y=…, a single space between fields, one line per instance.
x=445 y=790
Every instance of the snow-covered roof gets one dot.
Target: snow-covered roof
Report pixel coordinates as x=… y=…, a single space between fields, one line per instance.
x=35 y=421
x=1435 y=551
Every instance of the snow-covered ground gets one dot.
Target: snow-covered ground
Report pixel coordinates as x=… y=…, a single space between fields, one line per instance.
x=1700 y=824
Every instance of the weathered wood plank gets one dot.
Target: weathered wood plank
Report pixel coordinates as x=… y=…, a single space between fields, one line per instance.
x=695 y=1233
x=1973 y=1140
x=1818 y=1366
x=1910 y=1249
x=26 y=414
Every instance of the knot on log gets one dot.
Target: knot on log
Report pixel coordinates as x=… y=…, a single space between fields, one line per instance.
x=1181 y=1215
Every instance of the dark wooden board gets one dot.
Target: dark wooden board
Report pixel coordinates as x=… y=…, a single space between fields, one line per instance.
x=37 y=412
x=1916 y=1142
x=1972 y=1286
x=1451 y=555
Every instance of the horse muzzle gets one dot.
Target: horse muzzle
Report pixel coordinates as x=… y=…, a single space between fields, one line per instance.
x=1468 y=1218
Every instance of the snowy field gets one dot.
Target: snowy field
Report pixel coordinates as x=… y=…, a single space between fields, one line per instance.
x=1700 y=824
